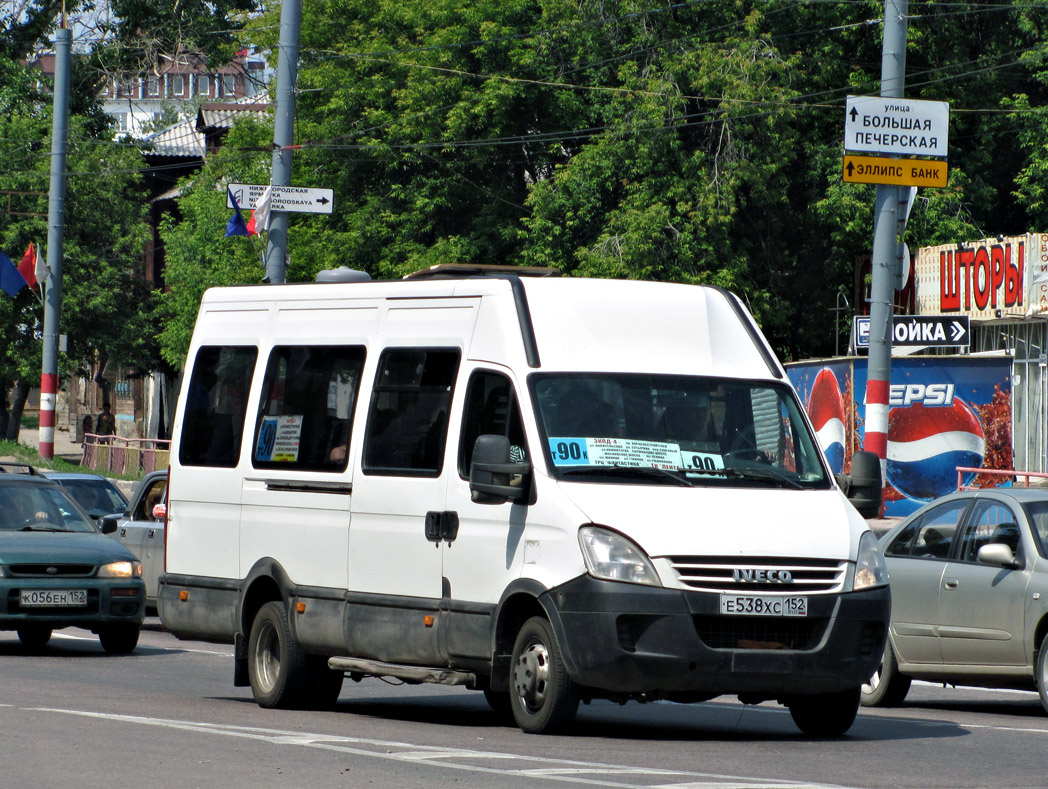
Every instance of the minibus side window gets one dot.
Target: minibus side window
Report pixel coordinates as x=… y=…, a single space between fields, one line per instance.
x=407 y=428
x=305 y=414
x=491 y=409
x=216 y=402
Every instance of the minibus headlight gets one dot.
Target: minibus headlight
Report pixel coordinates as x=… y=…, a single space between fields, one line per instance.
x=612 y=557
x=870 y=569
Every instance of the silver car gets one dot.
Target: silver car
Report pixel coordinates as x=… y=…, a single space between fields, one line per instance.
x=969 y=580
x=141 y=529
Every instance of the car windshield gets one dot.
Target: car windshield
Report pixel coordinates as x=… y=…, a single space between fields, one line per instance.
x=678 y=430
x=40 y=508
x=97 y=496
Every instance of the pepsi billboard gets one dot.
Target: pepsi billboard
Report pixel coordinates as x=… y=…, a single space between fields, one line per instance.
x=944 y=413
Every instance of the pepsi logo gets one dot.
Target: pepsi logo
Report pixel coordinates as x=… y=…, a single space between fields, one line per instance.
x=926 y=445
x=826 y=409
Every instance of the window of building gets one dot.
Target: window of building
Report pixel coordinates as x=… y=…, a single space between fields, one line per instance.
x=407 y=426
x=213 y=423
x=203 y=85
x=153 y=86
x=177 y=84
x=306 y=413
x=229 y=86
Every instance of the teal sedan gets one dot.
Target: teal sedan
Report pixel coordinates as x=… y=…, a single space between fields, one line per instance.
x=57 y=568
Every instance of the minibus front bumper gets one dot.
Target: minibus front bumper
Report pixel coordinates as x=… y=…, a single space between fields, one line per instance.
x=631 y=639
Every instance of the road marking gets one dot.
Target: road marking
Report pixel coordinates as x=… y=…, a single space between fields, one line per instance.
x=71 y=637
x=458 y=758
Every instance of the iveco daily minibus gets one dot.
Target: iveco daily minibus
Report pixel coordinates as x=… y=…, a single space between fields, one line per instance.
x=544 y=488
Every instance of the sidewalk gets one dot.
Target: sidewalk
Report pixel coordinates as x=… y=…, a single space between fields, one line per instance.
x=65 y=447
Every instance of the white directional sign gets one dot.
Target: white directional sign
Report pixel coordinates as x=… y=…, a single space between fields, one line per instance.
x=897 y=127
x=913 y=331
x=300 y=199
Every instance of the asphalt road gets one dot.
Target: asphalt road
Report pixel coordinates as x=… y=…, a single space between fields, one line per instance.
x=169 y=716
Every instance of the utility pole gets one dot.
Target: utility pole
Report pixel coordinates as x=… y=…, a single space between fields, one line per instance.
x=55 y=231
x=283 y=133
x=886 y=225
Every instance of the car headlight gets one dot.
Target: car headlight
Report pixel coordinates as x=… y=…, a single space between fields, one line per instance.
x=612 y=557
x=121 y=570
x=870 y=569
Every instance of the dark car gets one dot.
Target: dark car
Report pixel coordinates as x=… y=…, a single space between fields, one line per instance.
x=96 y=494
x=57 y=568
x=969 y=580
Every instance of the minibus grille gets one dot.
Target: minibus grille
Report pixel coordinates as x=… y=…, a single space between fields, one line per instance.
x=759 y=632
x=760 y=574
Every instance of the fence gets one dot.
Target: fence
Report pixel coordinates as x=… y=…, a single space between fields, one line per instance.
x=116 y=455
x=961 y=471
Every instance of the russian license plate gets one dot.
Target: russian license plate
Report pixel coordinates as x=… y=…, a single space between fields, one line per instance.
x=54 y=598
x=763 y=605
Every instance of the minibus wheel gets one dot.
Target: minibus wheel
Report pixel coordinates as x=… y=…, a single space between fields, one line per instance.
x=276 y=664
x=825 y=714
x=543 y=697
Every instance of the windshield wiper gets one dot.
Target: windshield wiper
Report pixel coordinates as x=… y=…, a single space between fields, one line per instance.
x=763 y=472
x=644 y=472
x=40 y=528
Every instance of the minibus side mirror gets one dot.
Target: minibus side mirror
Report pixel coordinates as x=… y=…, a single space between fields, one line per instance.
x=493 y=478
x=863 y=486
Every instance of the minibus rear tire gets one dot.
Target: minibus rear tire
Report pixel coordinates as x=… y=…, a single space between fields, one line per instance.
x=276 y=665
x=543 y=697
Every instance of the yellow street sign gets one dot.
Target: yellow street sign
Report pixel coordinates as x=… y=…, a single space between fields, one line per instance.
x=902 y=172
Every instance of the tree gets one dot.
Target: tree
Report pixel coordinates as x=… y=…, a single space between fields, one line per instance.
x=106 y=310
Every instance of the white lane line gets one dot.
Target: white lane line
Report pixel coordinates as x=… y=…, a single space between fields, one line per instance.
x=71 y=637
x=553 y=770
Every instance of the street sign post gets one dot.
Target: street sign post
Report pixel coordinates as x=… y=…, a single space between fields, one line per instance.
x=899 y=127
x=901 y=172
x=298 y=199
x=919 y=331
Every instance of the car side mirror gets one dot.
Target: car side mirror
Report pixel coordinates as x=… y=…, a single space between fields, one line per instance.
x=997 y=554
x=863 y=486
x=493 y=478
x=109 y=525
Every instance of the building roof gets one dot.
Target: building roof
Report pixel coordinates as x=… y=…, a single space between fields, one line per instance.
x=180 y=140
x=220 y=115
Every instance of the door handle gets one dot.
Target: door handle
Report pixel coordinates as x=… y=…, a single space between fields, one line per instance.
x=123 y=532
x=152 y=533
x=951 y=583
x=441 y=526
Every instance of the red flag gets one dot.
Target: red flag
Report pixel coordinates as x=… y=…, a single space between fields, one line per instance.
x=27 y=268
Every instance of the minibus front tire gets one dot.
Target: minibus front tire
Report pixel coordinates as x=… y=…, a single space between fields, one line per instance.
x=825 y=714
x=543 y=697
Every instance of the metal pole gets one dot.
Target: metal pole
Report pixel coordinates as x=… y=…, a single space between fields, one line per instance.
x=55 y=230
x=283 y=133
x=885 y=248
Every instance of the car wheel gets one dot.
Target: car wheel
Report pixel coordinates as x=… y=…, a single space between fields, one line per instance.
x=886 y=687
x=276 y=665
x=119 y=639
x=1042 y=672
x=34 y=637
x=543 y=697
x=825 y=714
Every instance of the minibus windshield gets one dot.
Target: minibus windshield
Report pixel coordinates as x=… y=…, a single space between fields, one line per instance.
x=616 y=427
